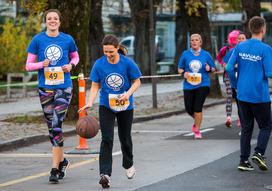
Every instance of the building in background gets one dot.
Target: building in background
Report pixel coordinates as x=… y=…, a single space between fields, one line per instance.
x=117 y=20
x=8 y=8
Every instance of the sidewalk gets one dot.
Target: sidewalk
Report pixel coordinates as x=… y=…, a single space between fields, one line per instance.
x=32 y=104
x=170 y=102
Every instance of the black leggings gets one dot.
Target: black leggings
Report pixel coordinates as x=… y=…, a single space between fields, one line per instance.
x=194 y=99
x=124 y=121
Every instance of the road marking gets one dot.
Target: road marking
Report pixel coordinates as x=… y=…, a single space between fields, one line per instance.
x=157 y=131
x=42 y=155
x=202 y=131
x=208 y=116
x=24 y=179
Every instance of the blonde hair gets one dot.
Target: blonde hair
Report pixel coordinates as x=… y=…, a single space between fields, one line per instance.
x=196 y=35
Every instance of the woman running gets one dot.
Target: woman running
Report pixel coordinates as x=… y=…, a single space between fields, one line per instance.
x=232 y=41
x=54 y=54
x=195 y=64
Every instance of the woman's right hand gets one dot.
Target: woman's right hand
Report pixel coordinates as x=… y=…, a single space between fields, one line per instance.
x=87 y=106
x=186 y=75
x=46 y=63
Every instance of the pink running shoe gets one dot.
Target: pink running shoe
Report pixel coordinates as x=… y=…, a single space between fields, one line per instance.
x=228 y=122
x=194 y=128
x=198 y=135
x=238 y=123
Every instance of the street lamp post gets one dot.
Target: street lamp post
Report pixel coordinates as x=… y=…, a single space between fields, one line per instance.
x=152 y=53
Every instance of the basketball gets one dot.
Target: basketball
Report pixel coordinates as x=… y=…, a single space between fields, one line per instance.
x=87 y=127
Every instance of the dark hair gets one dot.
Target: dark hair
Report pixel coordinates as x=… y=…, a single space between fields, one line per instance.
x=242 y=32
x=256 y=24
x=110 y=40
x=122 y=49
x=50 y=11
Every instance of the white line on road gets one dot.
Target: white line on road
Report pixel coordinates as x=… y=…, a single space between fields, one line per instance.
x=208 y=116
x=202 y=131
x=157 y=131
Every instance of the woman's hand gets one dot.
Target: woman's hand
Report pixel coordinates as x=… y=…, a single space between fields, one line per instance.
x=207 y=67
x=124 y=97
x=186 y=75
x=46 y=63
x=224 y=65
x=87 y=106
x=67 y=68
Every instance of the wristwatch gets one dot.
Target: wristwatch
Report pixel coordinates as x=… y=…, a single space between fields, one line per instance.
x=73 y=65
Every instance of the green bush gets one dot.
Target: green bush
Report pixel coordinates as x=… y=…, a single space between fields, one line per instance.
x=14 y=41
x=16 y=35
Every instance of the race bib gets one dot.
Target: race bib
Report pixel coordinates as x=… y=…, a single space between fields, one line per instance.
x=116 y=104
x=194 y=78
x=53 y=76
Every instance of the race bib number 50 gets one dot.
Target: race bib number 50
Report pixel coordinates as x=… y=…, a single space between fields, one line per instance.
x=116 y=104
x=194 y=78
x=53 y=76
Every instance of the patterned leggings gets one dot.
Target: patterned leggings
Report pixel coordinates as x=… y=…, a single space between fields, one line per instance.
x=230 y=93
x=229 y=96
x=55 y=103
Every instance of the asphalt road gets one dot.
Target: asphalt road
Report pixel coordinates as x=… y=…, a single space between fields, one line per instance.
x=167 y=158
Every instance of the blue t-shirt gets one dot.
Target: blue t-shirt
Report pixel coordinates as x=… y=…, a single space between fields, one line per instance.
x=228 y=55
x=57 y=50
x=114 y=78
x=196 y=66
x=254 y=67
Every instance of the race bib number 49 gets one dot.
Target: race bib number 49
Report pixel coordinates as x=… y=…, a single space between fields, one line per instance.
x=53 y=76
x=194 y=78
x=116 y=104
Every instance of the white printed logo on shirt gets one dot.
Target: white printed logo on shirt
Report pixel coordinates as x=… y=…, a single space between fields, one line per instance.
x=114 y=81
x=195 y=65
x=53 y=53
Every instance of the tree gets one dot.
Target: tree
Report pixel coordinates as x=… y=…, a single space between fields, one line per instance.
x=96 y=33
x=140 y=18
x=76 y=23
x=251 y=8
x=181 y=30
x=16 y=35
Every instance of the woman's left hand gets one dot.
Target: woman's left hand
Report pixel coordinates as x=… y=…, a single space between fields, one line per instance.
x=207 y=67
x=124 y=97
x=67 y=68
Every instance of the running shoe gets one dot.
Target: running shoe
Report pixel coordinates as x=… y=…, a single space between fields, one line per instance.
x=228 y=122
x=53 y=178
x=198 y=135
x=258 y=159
x=194 y=128
x=131 y=172
x=104 y=181
x=63 y=166
x=245 y=166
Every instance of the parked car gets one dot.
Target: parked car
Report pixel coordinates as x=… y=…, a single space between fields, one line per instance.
x=129 y=41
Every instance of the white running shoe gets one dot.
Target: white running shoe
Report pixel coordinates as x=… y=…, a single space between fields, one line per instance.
x=131 y=172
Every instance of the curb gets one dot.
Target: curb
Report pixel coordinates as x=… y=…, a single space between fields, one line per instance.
x=34 y=139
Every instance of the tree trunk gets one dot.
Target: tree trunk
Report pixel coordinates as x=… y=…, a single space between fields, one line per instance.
x=75 y=22
x=181 y=31
x=140 y=19
x=96 y=31
x=251 y=8
x=201 y=25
